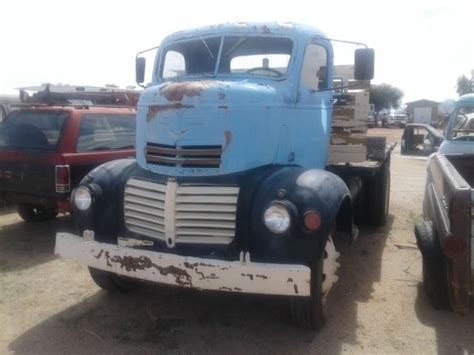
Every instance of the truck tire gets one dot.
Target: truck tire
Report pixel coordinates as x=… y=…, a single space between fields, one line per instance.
x=435 y=282
x=378 y=195
x=32 y=213
x=310 y=312
x=112 y=282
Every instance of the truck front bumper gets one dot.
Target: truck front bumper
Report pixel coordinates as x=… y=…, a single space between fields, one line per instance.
x=199 y=273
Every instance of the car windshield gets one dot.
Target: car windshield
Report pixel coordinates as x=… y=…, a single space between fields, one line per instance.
x=37 y=130
x=240 y=55
x=463 y=124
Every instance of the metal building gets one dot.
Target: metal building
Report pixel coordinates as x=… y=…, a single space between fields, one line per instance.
x=422 y=111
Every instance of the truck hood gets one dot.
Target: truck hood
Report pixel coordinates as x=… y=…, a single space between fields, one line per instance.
x=237 y=125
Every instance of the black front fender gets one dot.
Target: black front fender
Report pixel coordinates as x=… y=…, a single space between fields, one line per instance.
x=106 y=183
x=306 y=190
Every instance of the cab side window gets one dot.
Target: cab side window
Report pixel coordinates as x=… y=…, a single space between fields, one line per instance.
x=314 y=72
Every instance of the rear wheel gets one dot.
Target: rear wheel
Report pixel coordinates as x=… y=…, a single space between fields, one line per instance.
x=33 y=213
x=378 y=195
x=435 y=281
x=112 y=282
x=310 y=312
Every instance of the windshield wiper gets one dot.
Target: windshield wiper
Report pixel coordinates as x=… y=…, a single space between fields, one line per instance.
x=235 y=46
x=205 y=44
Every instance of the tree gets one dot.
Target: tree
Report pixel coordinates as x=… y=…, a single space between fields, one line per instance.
x=385 y=96
x=464 y=85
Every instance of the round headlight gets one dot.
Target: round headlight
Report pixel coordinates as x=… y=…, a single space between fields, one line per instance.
x=277 y=218
x=82 y=198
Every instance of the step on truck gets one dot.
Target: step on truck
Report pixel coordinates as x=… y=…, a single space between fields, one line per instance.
x=251 y=159
x=445 y=237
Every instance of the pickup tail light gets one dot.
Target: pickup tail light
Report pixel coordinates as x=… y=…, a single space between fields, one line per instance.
x=63 y=178
x=454 y=247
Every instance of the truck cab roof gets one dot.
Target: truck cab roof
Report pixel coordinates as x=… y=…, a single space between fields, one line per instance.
x=248 y=28
x=465 y=101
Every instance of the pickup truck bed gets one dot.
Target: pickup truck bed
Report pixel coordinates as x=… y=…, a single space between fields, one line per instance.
x=445 y=237
x=464 y=165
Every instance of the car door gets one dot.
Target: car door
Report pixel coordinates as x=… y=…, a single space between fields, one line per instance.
x=101 y=137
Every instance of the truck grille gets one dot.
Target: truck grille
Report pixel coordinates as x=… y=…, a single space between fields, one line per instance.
x=200 y=214
x=208 y=156
x=144 y=207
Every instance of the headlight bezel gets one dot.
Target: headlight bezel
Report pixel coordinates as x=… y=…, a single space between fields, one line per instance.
x=76 y=198
x=283 y=207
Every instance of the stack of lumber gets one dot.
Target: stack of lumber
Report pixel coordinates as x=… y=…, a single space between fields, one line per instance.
x=349 y=140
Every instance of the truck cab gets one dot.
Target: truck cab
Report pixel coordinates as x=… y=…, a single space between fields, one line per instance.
x=231 y=188
x=460 y=130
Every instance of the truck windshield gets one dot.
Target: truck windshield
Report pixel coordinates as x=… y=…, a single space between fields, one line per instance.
x=240 y=55
x=193 y=57
x=32 y=130
x=463 y=125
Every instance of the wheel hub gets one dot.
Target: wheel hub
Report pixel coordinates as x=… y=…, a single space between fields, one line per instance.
x=330 y=266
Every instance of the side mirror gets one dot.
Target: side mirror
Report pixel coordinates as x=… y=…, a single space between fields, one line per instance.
x=140 y=64
x=364 y=64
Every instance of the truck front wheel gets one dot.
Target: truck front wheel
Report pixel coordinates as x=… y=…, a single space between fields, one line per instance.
x=112 y=282
x=32 y=213
x=310 y=312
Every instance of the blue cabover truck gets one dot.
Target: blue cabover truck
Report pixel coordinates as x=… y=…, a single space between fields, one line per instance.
x=231 y=189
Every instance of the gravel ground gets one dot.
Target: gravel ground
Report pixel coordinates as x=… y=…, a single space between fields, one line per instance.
x=50 y=306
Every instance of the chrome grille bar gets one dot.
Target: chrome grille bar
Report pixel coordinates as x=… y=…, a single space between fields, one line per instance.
x=186 y=156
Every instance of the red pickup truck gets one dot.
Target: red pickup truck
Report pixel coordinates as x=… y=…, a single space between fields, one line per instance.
x=45 y=150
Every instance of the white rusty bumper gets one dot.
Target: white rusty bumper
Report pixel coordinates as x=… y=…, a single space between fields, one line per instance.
x=208 y=274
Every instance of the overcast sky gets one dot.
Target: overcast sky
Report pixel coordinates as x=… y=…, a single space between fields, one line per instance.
x=421 y=46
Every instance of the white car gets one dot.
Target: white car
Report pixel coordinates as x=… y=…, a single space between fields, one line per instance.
x=395 y=118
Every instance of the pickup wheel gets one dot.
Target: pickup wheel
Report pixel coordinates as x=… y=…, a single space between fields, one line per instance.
x=435 y=281
x=310 y=312
x=378 y=195
x=32 y=213
x=112 y=282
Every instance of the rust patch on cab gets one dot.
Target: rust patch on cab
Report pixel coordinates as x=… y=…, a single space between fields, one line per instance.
x=177 y=91
x=155 y=110
x=227 y=139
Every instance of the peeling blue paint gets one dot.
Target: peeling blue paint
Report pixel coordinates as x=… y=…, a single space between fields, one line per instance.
x=269 y=121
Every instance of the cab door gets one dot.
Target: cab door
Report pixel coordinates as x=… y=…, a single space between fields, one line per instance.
x=315 y=100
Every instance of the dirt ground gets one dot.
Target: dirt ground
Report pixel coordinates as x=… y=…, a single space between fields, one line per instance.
x=51 y=306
